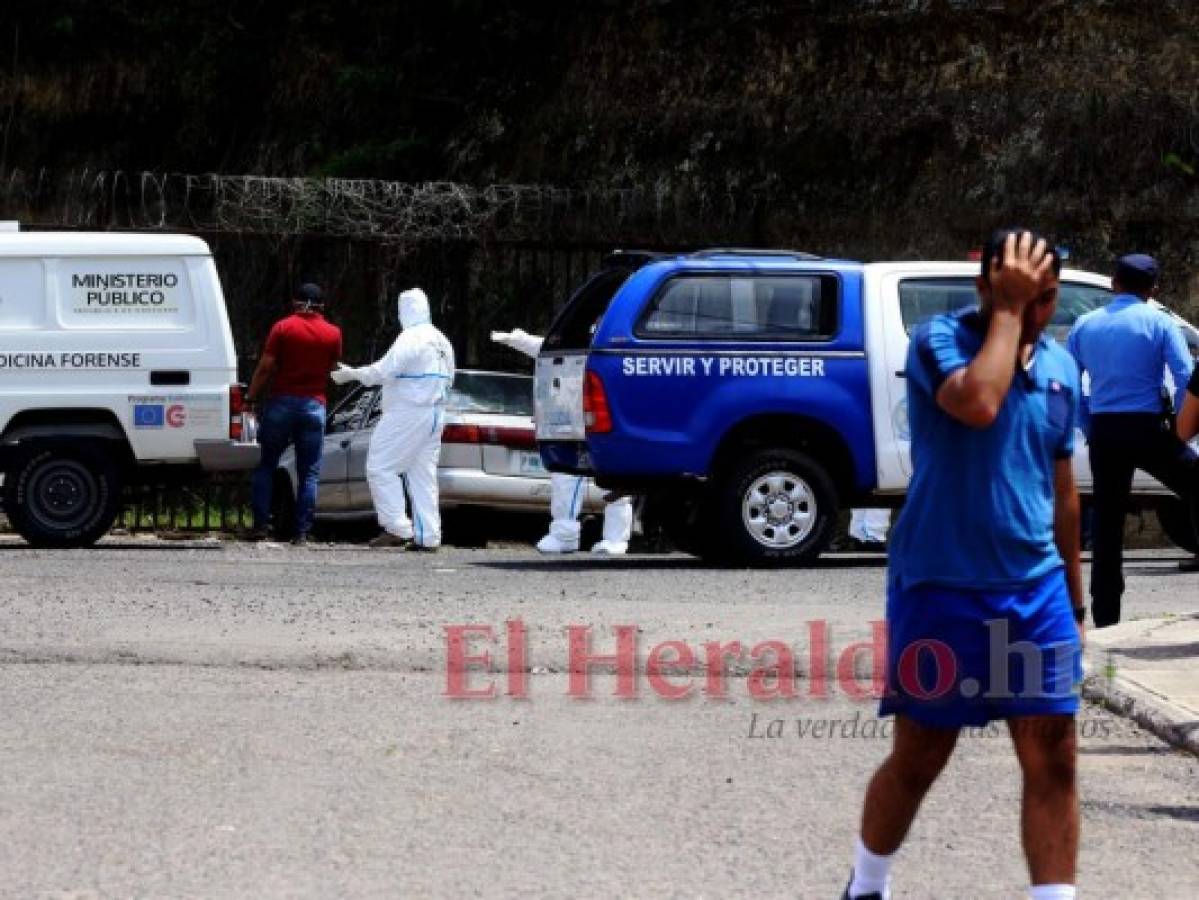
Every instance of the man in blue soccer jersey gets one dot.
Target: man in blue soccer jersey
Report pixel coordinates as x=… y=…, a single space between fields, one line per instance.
x=985 y=598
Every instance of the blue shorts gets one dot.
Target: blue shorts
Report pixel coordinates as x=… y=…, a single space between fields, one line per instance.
x=958 y=658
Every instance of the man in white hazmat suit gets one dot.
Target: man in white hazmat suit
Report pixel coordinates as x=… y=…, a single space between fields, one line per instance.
x=416 y=375
x=567 y=492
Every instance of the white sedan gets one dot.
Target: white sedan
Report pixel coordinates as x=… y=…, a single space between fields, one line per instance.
x=489 y=457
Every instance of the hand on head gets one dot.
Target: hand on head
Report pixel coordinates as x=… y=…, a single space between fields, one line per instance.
x=1020 y=273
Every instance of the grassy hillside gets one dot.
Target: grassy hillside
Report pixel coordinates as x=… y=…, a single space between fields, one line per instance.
x=867 y=127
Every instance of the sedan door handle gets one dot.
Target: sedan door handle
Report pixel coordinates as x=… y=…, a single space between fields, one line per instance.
x=344 y=444
x=901 y=374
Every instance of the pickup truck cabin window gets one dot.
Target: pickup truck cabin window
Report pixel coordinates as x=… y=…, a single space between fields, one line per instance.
x=922 y=298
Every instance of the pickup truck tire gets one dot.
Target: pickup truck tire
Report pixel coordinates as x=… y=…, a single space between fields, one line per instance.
x=774 y=506
x=1177 y=523
x=59 y=495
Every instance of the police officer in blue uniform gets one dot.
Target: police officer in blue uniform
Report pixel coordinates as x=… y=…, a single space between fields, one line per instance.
x=1126 y=347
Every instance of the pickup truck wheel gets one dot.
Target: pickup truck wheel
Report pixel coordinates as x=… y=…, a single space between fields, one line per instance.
x=775 y=506
x=62 y=496
x=1177 y=523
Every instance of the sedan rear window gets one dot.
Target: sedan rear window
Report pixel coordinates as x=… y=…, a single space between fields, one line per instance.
x=509 y=395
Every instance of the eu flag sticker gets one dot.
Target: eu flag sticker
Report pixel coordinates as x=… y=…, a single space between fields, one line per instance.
x=148 y=415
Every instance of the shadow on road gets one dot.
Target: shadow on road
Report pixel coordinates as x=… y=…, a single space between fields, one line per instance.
x=1143 y=811
x=1167 y=565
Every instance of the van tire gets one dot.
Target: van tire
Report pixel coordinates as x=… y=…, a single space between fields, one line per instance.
x=57 y=495
x=795 y=531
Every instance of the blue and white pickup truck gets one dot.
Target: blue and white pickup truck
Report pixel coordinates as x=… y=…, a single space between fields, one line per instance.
x=750 y=395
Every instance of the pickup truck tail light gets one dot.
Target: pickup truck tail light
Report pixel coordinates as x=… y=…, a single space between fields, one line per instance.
x=237 y=408
x=596 y=414
x=503 y=436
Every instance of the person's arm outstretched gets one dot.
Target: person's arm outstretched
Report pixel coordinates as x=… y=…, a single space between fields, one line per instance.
x=520 y=341
x=393 y=363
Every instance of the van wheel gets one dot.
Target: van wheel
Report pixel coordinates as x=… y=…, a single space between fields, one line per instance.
x=775 y=506
x=1177 y=523
x=59 y=496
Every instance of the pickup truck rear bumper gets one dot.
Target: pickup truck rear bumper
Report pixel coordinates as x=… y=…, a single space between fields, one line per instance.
x=227 y=455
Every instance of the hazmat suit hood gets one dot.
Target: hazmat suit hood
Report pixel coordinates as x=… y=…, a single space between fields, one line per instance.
x=414 y=308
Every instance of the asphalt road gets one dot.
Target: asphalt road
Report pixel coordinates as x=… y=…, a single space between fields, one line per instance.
x=226 y=720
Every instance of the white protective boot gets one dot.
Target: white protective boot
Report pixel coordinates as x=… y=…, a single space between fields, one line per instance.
x=566 y=502
x=618 y=525
x=870 y=526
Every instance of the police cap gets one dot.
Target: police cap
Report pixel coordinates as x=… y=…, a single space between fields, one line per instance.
x=1138 y=272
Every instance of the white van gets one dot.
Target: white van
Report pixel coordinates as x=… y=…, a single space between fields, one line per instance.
x=116 y=364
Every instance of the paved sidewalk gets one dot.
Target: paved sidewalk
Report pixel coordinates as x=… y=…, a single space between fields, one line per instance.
x=1148 y=670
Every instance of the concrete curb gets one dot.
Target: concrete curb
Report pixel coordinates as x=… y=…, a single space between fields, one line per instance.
x=1148 y=709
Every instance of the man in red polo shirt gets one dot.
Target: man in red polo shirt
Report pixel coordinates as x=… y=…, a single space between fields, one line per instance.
x=301 y=350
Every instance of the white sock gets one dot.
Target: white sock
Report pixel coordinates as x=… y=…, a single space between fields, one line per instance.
x=1051 y=892
x=871 y=873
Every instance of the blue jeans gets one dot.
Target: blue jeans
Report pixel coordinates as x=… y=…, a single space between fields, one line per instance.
x=289 y=420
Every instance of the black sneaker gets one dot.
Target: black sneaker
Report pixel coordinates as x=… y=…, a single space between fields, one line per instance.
x=256 y=535
x=420 y=548
x=300 y=540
